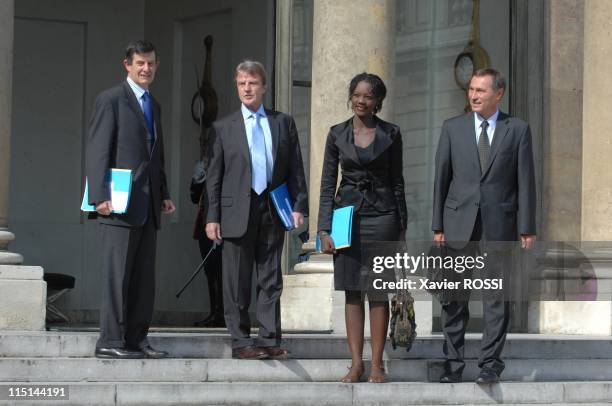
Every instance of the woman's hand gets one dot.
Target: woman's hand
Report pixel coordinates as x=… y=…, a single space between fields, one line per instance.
x=327 y=243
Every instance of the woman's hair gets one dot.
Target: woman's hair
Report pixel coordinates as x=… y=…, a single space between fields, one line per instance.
x=378 y=88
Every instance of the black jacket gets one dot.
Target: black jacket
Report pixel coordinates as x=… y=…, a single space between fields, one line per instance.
x=117 y=138
x=380 y=182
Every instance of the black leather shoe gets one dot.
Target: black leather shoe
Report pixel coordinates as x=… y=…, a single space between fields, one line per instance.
x=450 y=378
x=487 y=376
x=120 y=353
x=213 y=320
x=150 y=352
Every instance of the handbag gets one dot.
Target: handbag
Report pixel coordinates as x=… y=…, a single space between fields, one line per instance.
x=402 y=327
x=402 y=330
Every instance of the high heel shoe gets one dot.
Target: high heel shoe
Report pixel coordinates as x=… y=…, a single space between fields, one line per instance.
x=354 y=374
x=377 y=374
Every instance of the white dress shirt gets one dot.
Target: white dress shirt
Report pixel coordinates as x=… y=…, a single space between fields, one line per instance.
x=138 y=91
x=249 y=121
x=478 y=119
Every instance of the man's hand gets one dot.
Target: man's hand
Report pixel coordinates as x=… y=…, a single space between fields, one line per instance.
x=167 y=206
x=528 y=241
x=439 y=238
x=105 y=208
x=298 y=219
x=213 y=231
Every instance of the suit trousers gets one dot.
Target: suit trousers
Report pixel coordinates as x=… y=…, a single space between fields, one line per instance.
x=258 y=251
x=496 y=317
x=212 y=268
x=128 y=284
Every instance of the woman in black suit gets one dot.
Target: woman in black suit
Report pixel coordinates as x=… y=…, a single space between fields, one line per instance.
x=369 y=151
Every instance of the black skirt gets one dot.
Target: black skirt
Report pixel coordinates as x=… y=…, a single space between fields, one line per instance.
x=368 y=225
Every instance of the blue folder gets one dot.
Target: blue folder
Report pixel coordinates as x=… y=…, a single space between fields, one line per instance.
x=284 y=207
x=121 y=188
x=341 y=229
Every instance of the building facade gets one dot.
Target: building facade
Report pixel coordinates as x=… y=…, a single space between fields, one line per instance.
x=56 y=56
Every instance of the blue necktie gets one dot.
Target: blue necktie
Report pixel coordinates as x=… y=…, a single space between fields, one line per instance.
x=147 y=109
x=258 y=157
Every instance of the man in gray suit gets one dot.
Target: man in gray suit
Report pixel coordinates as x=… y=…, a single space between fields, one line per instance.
x=484 y=190
x=125 y=132
x=254 y=150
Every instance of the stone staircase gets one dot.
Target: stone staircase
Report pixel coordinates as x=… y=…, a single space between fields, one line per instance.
x=539 y=370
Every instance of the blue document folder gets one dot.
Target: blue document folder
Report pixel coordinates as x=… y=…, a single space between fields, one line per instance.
x=120 y=186
x=341 y=229
x=284 y=207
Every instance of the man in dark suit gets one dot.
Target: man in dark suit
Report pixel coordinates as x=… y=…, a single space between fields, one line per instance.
x=125 y=132
x=254 y=150
x=484 y=190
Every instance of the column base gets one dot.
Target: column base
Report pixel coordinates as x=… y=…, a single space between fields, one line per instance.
x=7 y=257
x=308 y=296
x=423 y=312
x=586 y=285
x=24 y=295
x=570 y=317
x=306 y=302
x=10 y=258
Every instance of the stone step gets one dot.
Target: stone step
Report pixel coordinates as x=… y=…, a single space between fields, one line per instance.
x=337 y=394
x=295 y=370
x=308 y=346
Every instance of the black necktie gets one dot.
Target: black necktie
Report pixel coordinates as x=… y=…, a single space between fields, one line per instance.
x=483 y=147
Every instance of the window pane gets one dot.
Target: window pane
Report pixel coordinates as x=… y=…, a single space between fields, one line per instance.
x=300 y=97
x=429 y=37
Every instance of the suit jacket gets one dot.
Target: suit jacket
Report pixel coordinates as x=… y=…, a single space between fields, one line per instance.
x=380 y=182
x=199 y=227
x=228 y=182
x=504 y=193
x=117 y=138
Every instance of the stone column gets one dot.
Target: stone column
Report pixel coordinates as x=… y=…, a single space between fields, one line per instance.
x=596 y=147
x=350 y=37
x=563 y=139
x=597 y=104
x=578 y=170
x=6 y=83
x=22 y=288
